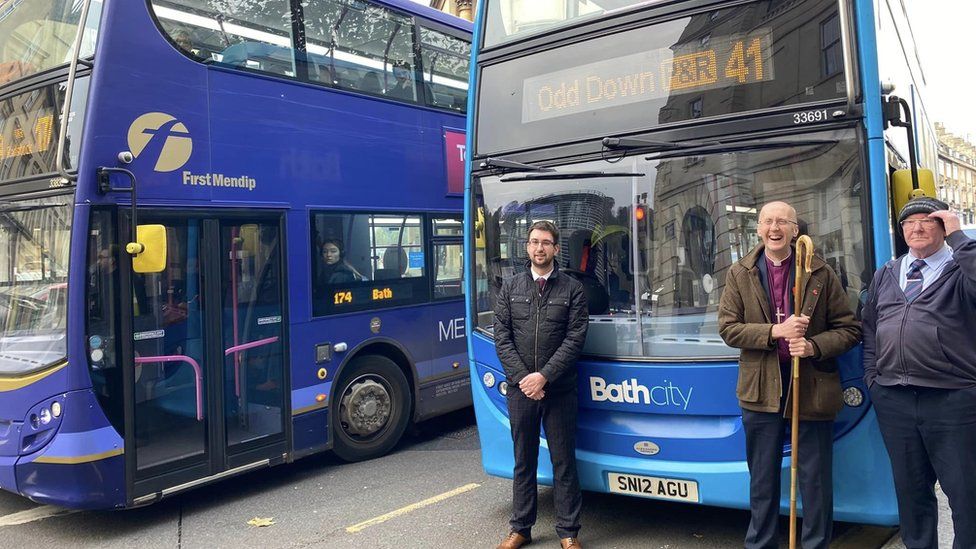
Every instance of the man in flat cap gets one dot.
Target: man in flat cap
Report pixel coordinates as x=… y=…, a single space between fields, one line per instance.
x=920 y=367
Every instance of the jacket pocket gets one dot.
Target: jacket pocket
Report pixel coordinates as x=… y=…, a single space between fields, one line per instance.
x=925 y=352
x=557 y=310
x=749 y=386
x=521 y=307
x=827 y=397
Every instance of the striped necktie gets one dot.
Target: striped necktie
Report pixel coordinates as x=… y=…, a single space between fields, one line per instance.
x=913 y=283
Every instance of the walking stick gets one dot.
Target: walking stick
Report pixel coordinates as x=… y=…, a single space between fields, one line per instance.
x=804 y=254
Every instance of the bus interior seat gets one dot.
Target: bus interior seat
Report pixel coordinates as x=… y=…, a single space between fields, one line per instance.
x=394 y=264
x=371 y=83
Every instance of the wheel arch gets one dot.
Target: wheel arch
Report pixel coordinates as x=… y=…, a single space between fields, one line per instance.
x=387 y=348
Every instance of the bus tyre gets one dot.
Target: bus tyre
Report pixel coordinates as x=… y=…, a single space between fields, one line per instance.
x=372 y=408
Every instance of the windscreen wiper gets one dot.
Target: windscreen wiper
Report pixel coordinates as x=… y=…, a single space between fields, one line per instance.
x=511 y=165
x=754 y=144
x=554 y=175
x=639 y=143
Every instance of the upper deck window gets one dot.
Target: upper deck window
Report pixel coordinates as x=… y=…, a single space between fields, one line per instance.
x=445 y=60
x=348 y=44
x=748 y=57
x=38 y=35
x=240 y=34
x=361 y=46
x=513 y=19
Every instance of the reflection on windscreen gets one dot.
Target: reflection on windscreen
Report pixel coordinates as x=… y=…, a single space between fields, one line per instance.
x=34 y=237
x=348 y=44
x=39 y=35
x=509 y=19
x=652 y=251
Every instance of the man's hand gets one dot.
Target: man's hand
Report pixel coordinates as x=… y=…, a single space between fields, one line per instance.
x=791 y=328
x=949 y=219
x=801 y=347
x=532 y=385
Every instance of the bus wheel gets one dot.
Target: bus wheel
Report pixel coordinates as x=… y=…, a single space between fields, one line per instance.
x=373 y=409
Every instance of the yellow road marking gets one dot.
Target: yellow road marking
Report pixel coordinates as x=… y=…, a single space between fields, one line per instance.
x=30 y=515
x=412 y=507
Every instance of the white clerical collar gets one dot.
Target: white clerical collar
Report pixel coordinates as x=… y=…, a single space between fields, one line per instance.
x=777 y=263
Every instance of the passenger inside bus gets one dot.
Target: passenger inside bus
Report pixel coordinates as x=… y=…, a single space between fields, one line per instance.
x=395 y=264
x=334 y=268
x=371 y=83
x=403 y=89
x=185 y=43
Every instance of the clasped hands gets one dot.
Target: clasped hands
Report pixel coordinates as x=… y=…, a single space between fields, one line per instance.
x=793 y=329
x=532 y=384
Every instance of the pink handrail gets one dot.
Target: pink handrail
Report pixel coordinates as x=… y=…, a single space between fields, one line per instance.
x=191 y=362
x=237 y=349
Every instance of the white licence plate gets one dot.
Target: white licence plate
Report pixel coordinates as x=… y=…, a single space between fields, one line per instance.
x=654 y=487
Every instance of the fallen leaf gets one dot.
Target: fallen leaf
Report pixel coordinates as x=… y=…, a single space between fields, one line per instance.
x=261 y=522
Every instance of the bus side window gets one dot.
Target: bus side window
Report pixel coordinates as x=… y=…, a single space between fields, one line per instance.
x=445 y=69
x=264 y=43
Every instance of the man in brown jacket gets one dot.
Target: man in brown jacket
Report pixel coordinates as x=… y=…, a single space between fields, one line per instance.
x=756 y=315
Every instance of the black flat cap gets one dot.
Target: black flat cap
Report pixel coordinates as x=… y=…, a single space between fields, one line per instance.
x=921 y=205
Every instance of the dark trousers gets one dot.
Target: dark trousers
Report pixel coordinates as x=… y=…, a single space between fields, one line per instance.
x=930 y=435
x=765 y=434
x=557 y=412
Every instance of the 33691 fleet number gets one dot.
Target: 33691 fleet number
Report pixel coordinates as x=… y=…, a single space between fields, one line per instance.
x=808 y=117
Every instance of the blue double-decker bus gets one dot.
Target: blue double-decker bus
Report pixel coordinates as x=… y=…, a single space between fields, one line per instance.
x=650 y=133
x=231 y=237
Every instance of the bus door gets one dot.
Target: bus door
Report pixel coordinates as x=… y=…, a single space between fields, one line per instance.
x=207 y=384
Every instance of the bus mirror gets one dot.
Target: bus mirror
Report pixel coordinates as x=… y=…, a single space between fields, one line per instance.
x=149 y=249
x=901 y=186
x=479 y=230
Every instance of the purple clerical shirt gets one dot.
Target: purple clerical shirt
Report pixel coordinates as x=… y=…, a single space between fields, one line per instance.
x=779 y=289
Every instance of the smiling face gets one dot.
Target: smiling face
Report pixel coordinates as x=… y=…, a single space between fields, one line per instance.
x=542 y=250
x=923 y=234
x=777 y=228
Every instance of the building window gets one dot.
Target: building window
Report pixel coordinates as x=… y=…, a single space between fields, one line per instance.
x=832 y=51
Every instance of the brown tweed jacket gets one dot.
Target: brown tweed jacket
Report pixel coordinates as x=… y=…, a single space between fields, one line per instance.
x=745 y=322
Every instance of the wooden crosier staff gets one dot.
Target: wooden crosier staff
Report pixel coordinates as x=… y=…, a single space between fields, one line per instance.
x=804 y=255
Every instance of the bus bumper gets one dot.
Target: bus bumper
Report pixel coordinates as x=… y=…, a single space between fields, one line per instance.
x=79 y=465
x=863 y=485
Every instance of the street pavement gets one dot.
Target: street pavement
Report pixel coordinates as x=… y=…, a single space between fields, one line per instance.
x=430 y=492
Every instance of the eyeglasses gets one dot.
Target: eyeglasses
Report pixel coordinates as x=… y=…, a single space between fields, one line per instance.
x=777 y=222
x=534 y=243
x=926 y=223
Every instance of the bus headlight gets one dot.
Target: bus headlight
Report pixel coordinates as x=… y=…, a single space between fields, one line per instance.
x=56 y=408
x=853 y=397
x=488 y=379
x=45 y=416
x=503 y=388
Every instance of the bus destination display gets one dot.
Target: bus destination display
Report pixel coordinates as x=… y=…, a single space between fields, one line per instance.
x=28 y=131
x=699 y=65
x=345 y=298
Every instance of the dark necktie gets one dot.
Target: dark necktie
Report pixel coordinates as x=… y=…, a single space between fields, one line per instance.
x=913 y=283
x=542 y=284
